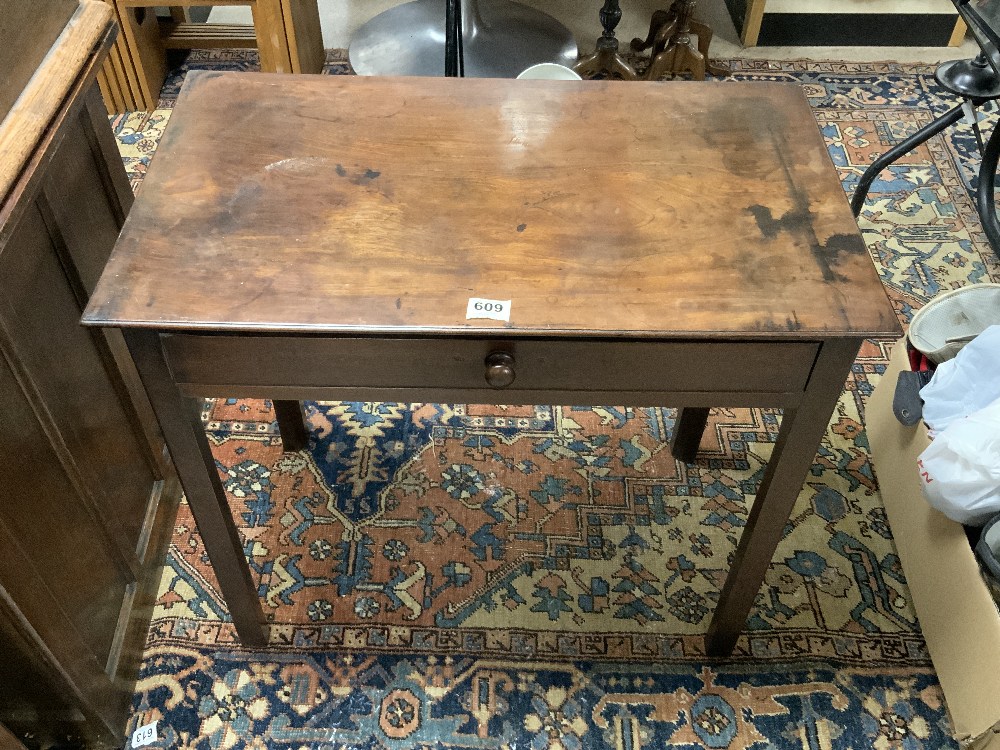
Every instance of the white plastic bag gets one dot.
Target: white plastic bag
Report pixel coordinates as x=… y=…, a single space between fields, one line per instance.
x=965 y=384
x=960 y=469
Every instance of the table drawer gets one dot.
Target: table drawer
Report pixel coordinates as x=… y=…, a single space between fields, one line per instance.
x=255 y=365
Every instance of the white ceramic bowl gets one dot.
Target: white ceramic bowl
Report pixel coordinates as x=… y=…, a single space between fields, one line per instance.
x=549 y=72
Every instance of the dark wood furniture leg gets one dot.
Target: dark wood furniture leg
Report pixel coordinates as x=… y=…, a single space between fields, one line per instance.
x=180 y=421
x=672 y=48
x=606 y=58
x=705 y=33
x=291 y=425
x=688 y=429
x=800 y=435
x=661 y=27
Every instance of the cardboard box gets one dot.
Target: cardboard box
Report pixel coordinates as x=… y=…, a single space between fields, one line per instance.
x=957 y=614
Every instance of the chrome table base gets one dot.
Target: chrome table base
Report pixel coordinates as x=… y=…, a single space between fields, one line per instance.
x=500 y=40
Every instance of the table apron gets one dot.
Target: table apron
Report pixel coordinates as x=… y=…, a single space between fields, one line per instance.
x=562 y=371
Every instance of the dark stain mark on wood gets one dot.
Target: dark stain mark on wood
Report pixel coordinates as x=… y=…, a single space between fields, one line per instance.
x=399 y=303
x=247 y=192
x=521 y=227
x=766 y=223
x=799 y=221
x=738 y=130
x=203 y=76
x=241 y=204
x=362 y=179
x=851 y=244
x=768 y=326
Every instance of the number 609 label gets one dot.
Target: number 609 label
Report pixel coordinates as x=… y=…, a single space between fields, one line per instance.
x=494 y=309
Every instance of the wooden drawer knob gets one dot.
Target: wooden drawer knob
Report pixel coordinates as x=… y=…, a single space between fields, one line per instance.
x=500 y=370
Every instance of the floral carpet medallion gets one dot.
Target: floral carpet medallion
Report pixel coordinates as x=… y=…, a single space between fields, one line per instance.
x=464 y=576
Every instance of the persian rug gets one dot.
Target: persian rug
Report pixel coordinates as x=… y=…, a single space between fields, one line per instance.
x=465 y=576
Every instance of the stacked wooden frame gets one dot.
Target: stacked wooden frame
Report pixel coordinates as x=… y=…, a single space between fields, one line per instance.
x=286 y=33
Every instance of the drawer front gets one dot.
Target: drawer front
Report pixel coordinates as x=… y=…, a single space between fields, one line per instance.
x=221 y=365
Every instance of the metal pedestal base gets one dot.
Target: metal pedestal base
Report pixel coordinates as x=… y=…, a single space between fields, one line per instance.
x=500 y=40
x=972 y=79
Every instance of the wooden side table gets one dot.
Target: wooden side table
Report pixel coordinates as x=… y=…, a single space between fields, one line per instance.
x=324 y=256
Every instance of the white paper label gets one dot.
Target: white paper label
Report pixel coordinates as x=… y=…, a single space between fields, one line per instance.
x=494 y=309
x=144 y=735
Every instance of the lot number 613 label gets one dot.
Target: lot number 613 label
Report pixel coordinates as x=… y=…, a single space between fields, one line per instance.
x=145 y=735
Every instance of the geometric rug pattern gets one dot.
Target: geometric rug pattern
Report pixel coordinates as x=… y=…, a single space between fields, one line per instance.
x=468 y=576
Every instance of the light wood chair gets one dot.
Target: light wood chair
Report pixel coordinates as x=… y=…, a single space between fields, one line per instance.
x=285 y=32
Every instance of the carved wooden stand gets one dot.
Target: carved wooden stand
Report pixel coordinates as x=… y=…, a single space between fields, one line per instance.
x=672 y=49
x=606 y=58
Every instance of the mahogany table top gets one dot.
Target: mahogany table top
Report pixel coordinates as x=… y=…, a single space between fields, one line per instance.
x=343 y=204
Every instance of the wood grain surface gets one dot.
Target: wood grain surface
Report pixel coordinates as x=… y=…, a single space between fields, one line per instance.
x=27 y=31
x=599 y=208
x=88 y=28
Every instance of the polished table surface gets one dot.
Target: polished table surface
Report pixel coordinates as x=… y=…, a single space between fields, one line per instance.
x=684 y=244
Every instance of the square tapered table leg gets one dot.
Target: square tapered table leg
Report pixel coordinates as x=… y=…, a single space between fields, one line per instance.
x=180 y=420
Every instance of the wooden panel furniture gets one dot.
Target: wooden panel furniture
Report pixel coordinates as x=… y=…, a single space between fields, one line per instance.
x=85 y=511
x=286 y=33
x=332 y=252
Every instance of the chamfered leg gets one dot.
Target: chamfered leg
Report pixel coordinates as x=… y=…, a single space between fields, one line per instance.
x=798 y=439
x=291 y=425
x=180 y=420
x=688 y=429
